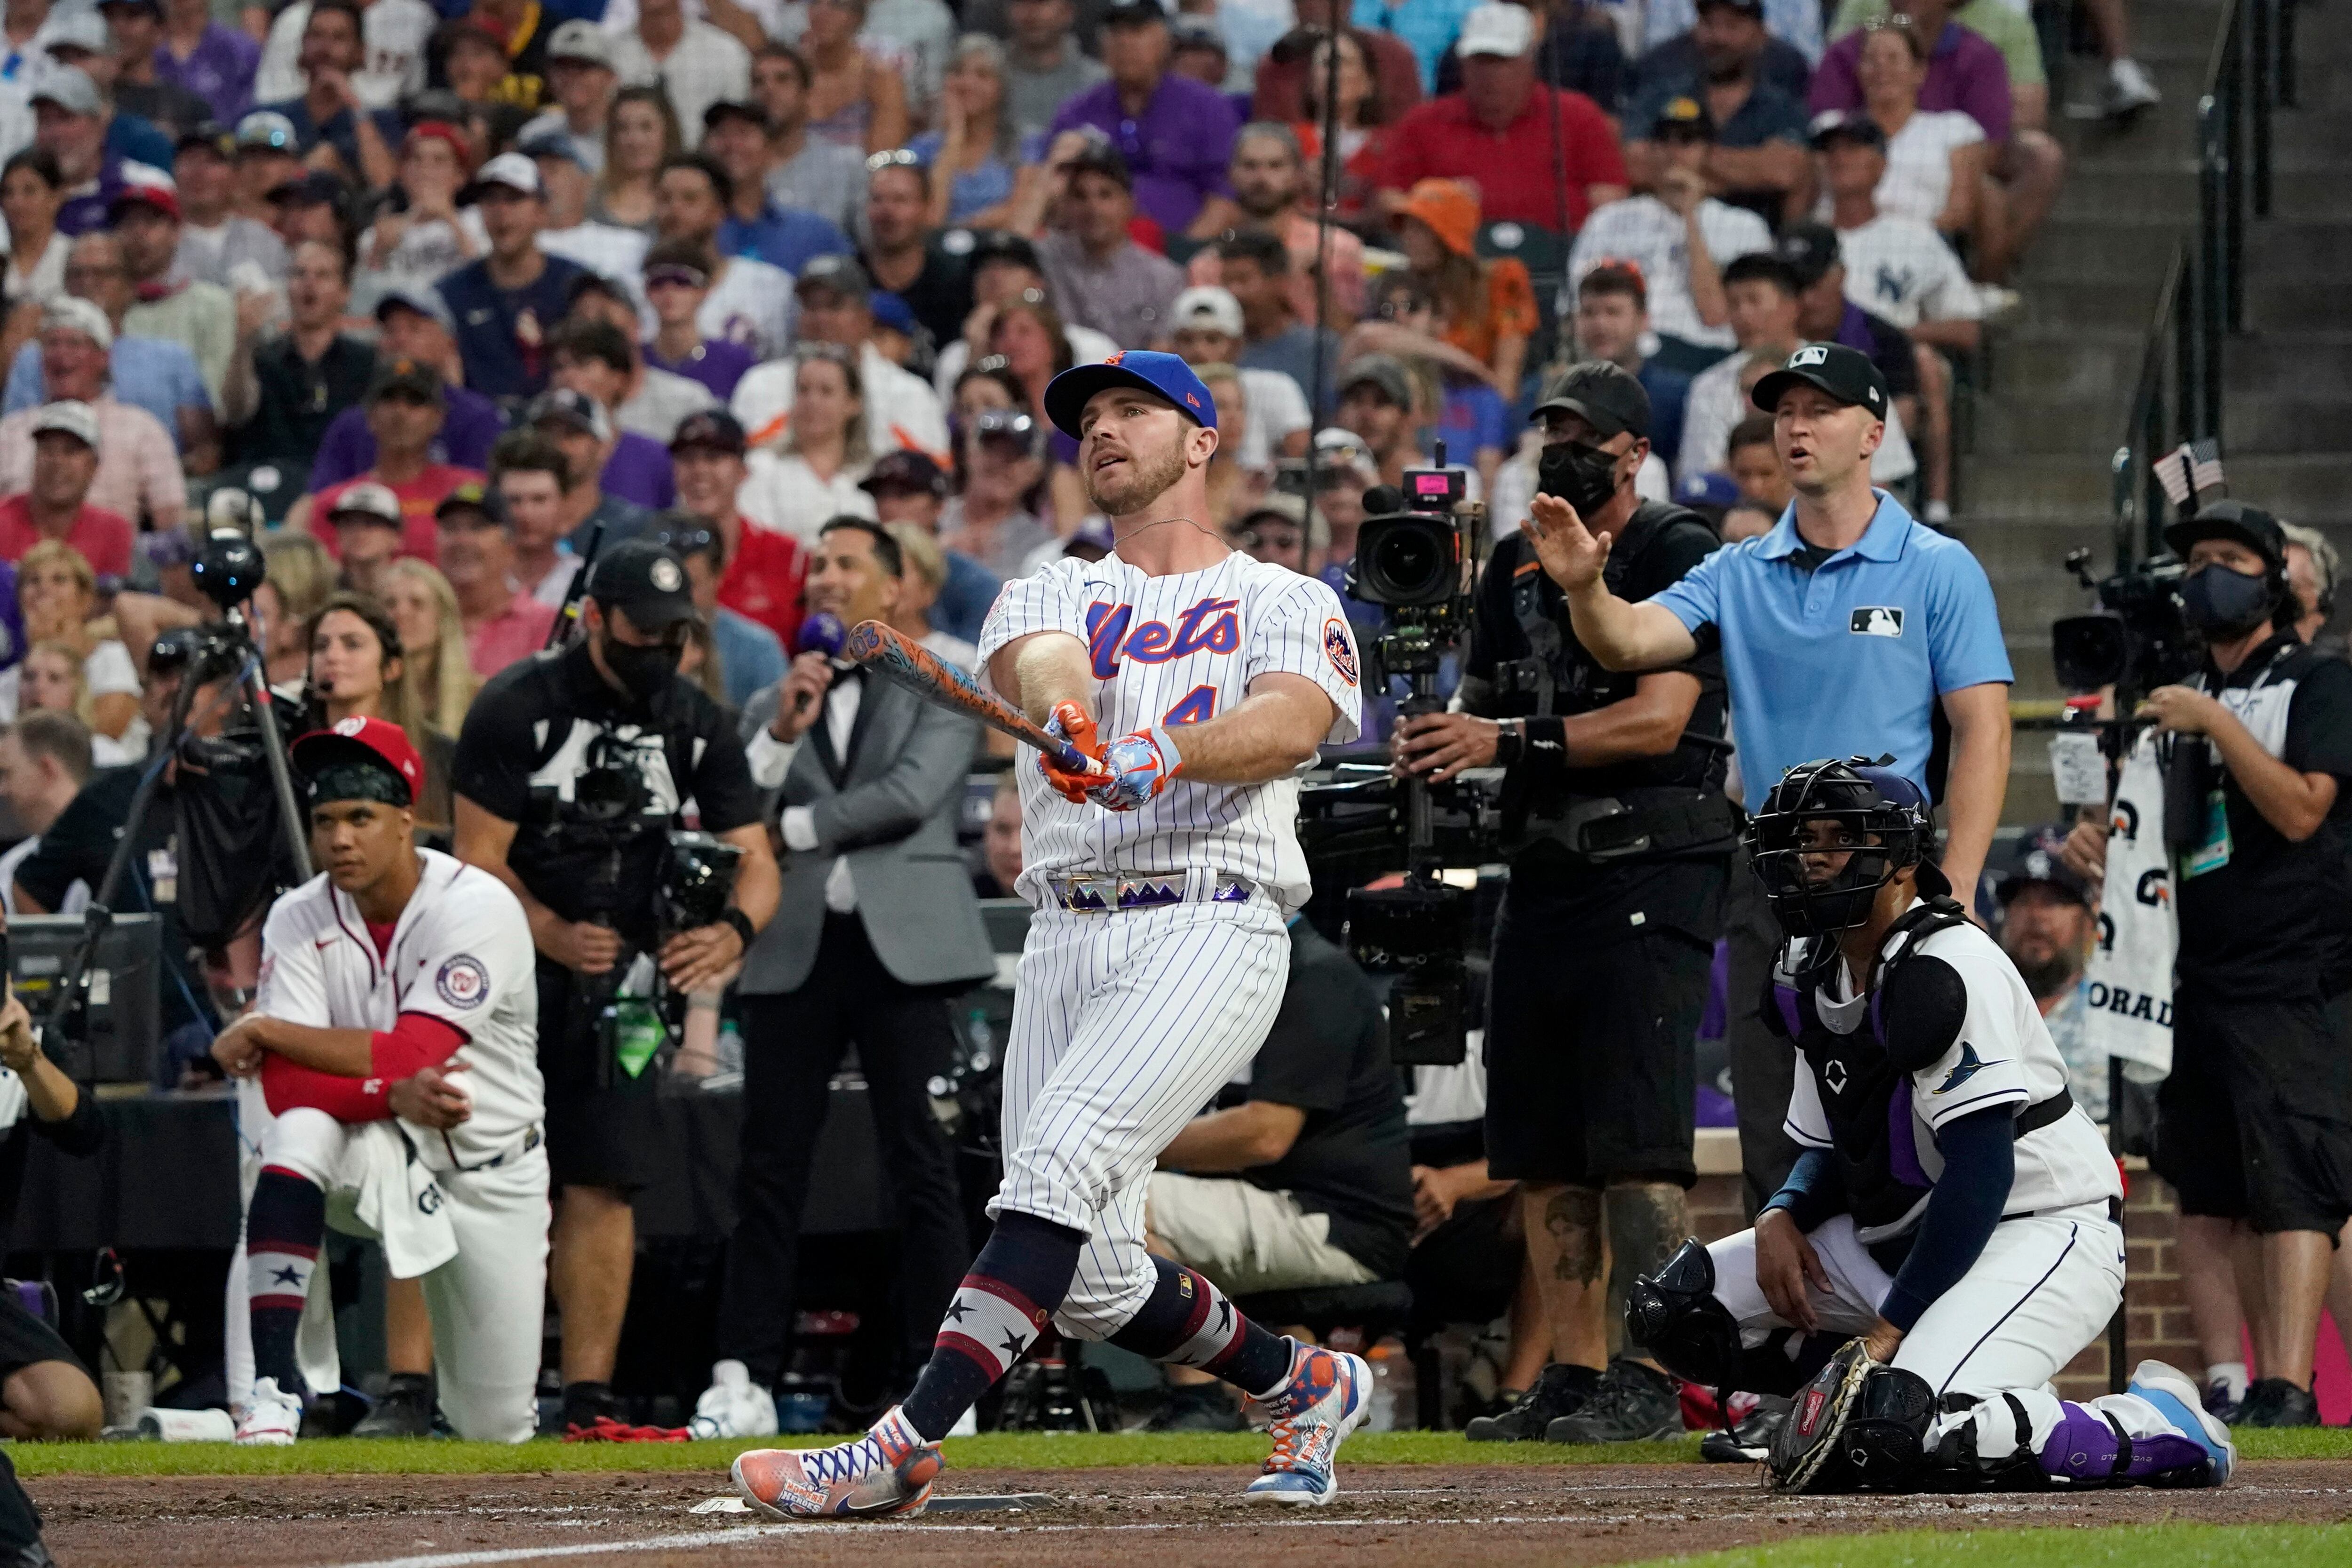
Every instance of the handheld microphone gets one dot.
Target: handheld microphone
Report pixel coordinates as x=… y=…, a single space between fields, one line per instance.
x=821 y=633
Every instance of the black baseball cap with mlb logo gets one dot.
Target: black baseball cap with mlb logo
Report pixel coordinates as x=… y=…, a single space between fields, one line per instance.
x=1844 y=374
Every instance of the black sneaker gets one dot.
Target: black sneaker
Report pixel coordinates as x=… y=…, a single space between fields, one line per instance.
x=1635 y=1404
x=2275 y=1402
x=1561 y=1390
x=1199 y=1407
x=2218 y=1404
x=1749 y=1441
x=404 y=1411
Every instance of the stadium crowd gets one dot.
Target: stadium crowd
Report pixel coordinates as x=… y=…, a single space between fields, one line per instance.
x=453 y=294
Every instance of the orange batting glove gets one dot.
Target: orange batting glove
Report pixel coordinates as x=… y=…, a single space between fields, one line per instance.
x=1069 y=722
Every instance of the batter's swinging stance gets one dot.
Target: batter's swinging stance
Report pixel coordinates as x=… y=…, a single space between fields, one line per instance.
x=1159 y=954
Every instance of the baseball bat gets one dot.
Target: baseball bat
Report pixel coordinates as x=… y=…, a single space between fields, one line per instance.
x=900 y=659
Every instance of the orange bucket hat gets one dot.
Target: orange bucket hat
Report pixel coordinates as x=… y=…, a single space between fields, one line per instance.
x=1450 y=207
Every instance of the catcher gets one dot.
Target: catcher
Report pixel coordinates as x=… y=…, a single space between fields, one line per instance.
x=1949 y=1240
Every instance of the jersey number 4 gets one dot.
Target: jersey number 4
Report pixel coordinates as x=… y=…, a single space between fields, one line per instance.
x=1199 y=706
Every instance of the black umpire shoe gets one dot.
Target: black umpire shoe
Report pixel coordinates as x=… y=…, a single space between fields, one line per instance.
x=1635 y=1404
x=1561 y=1390
x=2275 y=1402
x=404 y=1411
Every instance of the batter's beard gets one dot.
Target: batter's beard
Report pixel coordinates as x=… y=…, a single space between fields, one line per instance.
x=1144 y=480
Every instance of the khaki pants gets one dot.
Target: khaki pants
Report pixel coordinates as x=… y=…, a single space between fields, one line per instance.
x=1244 y=1238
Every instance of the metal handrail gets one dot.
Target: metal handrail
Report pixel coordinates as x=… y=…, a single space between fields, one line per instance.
x=2248 y=73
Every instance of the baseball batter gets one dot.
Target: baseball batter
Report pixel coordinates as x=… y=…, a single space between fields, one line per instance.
x=391 y=1057
x=1947 y=1241
x=1159 y=954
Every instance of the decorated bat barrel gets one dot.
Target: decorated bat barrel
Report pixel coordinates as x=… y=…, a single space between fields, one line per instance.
x=911 y=665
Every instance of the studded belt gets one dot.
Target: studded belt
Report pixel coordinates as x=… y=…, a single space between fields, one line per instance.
x=1109 y=892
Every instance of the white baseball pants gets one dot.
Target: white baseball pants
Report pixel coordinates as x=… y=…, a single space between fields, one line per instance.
x=2044 y=1287
x=1124 y=1028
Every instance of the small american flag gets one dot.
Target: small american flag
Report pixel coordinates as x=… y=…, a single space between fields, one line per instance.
x=2194 y=467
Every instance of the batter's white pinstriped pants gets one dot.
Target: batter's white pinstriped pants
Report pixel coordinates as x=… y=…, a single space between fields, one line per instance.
x=1124 y=1028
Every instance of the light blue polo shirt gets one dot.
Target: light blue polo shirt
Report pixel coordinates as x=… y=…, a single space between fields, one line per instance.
x=1849 y=658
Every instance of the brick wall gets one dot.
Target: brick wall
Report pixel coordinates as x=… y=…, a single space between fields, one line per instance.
x=2158 y=1313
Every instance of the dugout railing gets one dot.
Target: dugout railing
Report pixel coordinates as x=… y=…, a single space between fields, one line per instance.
x=2248 y=74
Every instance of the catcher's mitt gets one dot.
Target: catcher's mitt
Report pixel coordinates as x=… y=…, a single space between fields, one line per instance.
x=1857 y=1424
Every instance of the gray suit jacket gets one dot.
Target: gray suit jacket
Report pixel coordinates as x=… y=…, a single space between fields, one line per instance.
x=891 y=808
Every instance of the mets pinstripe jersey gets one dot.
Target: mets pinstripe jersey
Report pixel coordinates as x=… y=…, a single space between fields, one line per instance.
x=1176 y=650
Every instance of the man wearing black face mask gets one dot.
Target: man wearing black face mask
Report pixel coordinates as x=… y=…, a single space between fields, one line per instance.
x=567 y=757
x=1613 y=801
x=2254 y=1124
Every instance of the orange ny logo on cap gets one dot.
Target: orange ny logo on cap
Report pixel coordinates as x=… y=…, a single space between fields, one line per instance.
x=1117 y=357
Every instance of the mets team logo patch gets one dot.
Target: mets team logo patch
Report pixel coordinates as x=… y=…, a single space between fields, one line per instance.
x=1339 y=649
x=463 y=981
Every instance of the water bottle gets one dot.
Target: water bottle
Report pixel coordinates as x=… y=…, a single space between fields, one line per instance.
x=1379 y=1409
x=1404 y=1391
x=728 y=1051
x=982 y=1043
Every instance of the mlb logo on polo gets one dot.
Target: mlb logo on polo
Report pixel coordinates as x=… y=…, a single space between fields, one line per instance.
x=1877 y=621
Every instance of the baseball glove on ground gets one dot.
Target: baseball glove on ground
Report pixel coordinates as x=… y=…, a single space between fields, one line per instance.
x=1858 y=1424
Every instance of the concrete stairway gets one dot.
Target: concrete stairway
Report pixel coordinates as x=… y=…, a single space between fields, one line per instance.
x=2037 y=482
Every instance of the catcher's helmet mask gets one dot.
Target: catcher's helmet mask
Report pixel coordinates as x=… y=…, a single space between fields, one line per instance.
x=1889 y=826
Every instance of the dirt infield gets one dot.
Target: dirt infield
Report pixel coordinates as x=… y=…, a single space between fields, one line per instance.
x=1390 y=1517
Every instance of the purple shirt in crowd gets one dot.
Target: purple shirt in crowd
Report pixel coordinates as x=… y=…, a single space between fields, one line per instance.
x=1177 y=148
x=638 y=471
x=473 y=426
x=717 y=362
x=1964 y=72
x=220 y=71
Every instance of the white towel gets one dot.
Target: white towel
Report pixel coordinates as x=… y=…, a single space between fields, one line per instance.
x=2130 y=971
x=395 y=1198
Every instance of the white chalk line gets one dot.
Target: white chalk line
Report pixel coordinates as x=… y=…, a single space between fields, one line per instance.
x=745 y=1535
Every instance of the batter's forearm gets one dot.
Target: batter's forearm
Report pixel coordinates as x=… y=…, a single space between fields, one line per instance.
x=1045 y=669
x=1271 y=735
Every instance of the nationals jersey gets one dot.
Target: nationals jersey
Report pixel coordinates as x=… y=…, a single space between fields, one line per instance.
x=1176 y=650
x=461 y=952
x=2004 y=1056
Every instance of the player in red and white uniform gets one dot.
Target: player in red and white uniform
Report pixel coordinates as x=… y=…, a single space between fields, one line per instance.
x=1159 y=954
x=392 y=1055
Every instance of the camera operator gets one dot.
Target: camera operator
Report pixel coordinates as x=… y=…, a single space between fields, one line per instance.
x=2254 y=1124
x=78 y=844
x=548 y=742
x=876 y=928
x=1613 y=801
x=1843 y=630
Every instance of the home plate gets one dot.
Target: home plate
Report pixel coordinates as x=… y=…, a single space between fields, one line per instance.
x=969 y=1503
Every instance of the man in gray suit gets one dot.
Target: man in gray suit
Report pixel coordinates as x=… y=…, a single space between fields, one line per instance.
x=876 y=928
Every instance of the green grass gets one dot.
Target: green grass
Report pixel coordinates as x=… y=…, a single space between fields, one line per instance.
x=1006 y=1450
x=2125 y=1546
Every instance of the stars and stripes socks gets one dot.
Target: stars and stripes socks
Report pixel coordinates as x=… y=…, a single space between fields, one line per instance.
x=284 y=1226
x=1190 y=1322
x=996 y=1314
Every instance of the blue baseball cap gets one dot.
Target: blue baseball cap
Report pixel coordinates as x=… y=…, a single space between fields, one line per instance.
x=1067 y=395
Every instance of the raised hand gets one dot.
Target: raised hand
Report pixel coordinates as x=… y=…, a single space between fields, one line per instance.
x=1571 y=554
